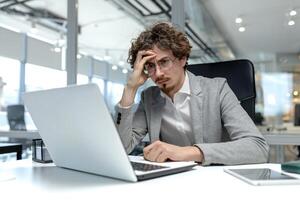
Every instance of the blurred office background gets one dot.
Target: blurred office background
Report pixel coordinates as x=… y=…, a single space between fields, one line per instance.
x=33 y=47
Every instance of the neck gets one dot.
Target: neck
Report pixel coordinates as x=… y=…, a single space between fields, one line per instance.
x=176 y=88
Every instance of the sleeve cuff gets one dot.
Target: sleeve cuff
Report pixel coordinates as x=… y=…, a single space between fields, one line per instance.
x=124 y=107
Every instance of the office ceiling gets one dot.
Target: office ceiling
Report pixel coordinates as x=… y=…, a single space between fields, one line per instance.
x=268 y=35
x=104 y=29
x=107 y=27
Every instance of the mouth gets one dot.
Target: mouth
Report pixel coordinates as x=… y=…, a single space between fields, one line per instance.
x=161 y=82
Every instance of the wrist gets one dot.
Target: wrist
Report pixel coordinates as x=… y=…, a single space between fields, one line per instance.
x=130 y=89
x=194 y=154
x=128 y=96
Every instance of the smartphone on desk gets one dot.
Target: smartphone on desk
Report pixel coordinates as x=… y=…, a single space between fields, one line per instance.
x=263 y=176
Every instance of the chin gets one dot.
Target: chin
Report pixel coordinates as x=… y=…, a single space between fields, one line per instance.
x=166 y=89
x=162 y=86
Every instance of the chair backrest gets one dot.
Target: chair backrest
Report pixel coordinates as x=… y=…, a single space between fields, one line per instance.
x=239 y=75
x=15 y=117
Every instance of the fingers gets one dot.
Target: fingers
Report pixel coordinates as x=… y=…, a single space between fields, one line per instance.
x=162 y=157
x=142 y=58
x=153 y=154
x=144 y=53
x=148 y=148
x=156 y=152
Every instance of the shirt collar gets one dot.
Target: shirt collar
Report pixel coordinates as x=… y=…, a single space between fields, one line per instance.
x=186 y=85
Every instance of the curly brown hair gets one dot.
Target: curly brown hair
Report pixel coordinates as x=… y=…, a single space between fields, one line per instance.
x=165 y=37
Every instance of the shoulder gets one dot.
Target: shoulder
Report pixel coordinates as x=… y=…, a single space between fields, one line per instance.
x=212 y=81
x=206 y=83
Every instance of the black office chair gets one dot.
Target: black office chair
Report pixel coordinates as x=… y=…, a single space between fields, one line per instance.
x=239 y=75
x=15 y=117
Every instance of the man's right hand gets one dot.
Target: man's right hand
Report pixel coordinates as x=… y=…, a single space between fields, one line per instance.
x=137 y=77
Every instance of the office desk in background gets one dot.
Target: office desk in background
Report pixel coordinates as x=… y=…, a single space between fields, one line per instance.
x=276 y=138
x=11 y=148
x=279 y=138
x=30 y=134
x=45 y=181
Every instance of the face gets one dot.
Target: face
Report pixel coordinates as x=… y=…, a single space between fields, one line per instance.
x=167 y=71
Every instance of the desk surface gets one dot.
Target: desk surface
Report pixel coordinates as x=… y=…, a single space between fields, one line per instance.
x=45 y=181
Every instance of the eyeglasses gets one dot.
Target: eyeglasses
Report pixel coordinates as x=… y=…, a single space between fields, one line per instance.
x=163 y=64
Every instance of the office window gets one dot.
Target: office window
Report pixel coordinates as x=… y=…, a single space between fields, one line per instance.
x=39 y=78
x=114 y=94
x=100 y=83
x=9 y=86
x=82 y=79
x=277 y=93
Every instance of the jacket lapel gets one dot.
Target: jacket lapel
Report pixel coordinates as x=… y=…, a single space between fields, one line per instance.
x=158 y=102
x=196 y=108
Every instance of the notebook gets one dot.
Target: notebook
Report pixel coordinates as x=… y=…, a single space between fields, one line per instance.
x=79 y=133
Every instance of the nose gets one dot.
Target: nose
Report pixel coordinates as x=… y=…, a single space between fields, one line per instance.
x=158 y=71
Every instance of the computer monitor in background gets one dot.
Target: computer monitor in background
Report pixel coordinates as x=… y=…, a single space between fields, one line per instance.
x=15 y=117
x=297 y=115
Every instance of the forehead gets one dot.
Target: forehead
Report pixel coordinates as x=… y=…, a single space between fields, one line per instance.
x=162 y=53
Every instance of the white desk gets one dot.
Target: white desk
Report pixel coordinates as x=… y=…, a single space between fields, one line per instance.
x=20 y=134
x=39 y=181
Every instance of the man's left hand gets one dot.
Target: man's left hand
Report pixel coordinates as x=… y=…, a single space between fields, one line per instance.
x=160 y=152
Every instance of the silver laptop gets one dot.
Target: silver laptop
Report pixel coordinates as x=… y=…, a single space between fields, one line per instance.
x=80 y=134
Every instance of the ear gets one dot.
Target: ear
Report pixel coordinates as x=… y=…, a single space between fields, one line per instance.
x=182 y=61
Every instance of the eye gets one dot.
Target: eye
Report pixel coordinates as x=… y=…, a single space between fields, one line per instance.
x=163 y=62
x=149 y=66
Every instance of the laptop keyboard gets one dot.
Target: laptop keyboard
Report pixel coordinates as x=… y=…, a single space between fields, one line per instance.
x=145 y=167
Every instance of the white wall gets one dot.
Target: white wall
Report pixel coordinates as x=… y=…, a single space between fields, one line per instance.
x=10 y=44
x=41 y=53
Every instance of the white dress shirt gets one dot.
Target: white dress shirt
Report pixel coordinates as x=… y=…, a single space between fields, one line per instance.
x=176 y=127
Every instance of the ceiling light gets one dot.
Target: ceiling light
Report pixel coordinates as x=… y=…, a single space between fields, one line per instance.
x=114 y=67
x=125 y=71
x=293 y=12
x=295 y=93
x=79 y=56
x=283 y=60
x=121 y=63
x=106 y=57
x=57 y=49
x=98 y=58
x=242 y=29
x=291 y=23
x=238 y=20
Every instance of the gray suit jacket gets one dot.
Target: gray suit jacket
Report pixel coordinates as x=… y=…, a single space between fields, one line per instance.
x=222 y=129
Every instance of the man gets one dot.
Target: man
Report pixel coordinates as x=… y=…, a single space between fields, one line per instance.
x=188 y=118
